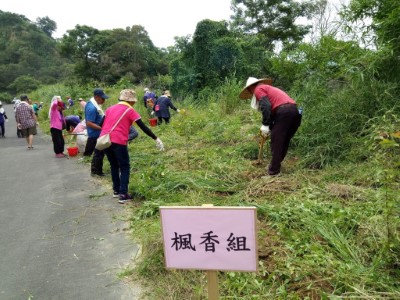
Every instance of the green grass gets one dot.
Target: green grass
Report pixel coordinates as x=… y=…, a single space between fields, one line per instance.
x=323 y=233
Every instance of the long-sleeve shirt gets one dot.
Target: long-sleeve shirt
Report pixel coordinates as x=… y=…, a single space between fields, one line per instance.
x=162 y=105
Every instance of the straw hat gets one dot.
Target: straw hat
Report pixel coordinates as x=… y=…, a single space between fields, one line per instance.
x=167 y=93
x=245 y=94
x=128 y=95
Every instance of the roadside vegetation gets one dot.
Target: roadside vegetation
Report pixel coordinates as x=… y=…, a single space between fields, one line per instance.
x=323 y=231
x=329 y=226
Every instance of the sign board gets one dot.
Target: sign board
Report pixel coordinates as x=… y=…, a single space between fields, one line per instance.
x=210 y=238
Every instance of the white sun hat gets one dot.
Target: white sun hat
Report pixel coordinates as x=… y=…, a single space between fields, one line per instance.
x=245 y=93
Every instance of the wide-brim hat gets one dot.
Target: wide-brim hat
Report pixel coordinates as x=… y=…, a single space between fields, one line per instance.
x=245 y=93
x=128 y=95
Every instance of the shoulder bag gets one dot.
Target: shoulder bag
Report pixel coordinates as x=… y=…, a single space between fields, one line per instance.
x=104 y=141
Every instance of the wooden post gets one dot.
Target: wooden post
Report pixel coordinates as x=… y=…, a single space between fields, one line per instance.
x=212 y=278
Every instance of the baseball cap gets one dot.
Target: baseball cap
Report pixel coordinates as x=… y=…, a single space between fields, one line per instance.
x=100 y=93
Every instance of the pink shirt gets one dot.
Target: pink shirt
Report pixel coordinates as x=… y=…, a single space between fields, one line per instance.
x=276 y=96
x=120 y=133
x=56 y=118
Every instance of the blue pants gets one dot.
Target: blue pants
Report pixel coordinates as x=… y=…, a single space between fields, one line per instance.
x=118 y=156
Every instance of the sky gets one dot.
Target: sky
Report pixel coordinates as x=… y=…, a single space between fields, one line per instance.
x=162 y=19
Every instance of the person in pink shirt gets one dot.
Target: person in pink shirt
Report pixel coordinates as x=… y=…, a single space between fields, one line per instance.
x=117 y=154
x=280 y=117
x=57 y=122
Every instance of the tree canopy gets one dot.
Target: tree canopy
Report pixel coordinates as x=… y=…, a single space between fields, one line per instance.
x=273 y=20
x=26 y=50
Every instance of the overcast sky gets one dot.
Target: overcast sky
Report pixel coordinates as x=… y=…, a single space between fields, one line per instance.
x=162 y=19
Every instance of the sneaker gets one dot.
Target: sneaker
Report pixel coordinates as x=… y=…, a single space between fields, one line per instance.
x=124 y=198
x=116 y=194
x=60 y=155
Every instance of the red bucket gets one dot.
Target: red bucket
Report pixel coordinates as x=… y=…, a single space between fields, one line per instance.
x=72 y=151
x=153 y=122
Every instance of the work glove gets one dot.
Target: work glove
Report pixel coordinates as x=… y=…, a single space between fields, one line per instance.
x=178 y=110
x=265 y=131
x=152 y=113
x=159 y=144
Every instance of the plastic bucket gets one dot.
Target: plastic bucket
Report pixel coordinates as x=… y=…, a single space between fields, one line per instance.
x=72 y=151
x=153 y=122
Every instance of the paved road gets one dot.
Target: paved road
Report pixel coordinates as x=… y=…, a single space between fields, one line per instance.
x=62 y=236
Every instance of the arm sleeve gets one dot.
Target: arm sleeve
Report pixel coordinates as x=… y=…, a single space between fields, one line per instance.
x=145 y=101
x=145 y=129
x=265 y=108
x=171 y=105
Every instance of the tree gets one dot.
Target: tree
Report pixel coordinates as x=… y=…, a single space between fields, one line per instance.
x=25 y=83
x=109 y=55
x=47 y=25
x=205 y=39
x=385 y=23
x=83 y=45
x=385 y=17
x=26 y=50
x=273 y=20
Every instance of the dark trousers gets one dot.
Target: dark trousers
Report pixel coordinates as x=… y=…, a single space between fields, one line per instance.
x=2 y=129
x=286 y=122
x=118 y=156
x=98 y=156
x=89 y=148
x=160 y=119
x=58 y=140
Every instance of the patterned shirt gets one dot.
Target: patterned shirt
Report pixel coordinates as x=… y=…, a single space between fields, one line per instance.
x=25 y=115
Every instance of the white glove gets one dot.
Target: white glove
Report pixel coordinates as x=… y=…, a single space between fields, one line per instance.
x=265 y=131
x=159 y=144
x=178 y=110
x=152 y=113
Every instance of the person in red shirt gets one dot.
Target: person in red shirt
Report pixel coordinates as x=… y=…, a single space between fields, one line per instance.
x=280 y=117
x=117 y=122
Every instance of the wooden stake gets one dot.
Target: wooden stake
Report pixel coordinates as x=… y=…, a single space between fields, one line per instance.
x=212 y=278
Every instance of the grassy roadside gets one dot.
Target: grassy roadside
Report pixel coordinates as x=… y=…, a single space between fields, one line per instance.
x=329 y=233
